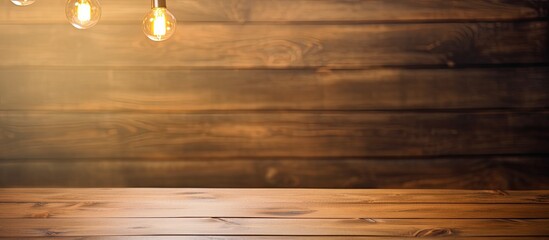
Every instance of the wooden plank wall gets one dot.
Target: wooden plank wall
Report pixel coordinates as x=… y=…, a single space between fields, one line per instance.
x=278 y=93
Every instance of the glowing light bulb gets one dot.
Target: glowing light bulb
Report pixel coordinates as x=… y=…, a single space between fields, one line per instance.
x=22 y=2
x=159 y=23
x=83 y=14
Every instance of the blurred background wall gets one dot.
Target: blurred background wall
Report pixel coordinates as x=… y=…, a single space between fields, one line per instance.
x=278 y=93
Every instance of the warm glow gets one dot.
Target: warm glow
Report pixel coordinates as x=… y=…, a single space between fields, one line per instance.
x=83 y=14
x=159 y=23
x=83 y=11
x=22 y=2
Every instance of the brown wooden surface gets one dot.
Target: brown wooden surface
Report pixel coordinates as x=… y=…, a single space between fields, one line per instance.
x=254 y=212
x=269 y=226
x=214 y=45
x=218 y=237
x=267 y=210
x=273 y=134
x=455 y=173
x=278 y=93
x=356 y=196
x=207 y=90
x=130 y=11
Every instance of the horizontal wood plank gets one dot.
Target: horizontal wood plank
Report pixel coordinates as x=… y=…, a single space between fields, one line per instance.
x=337 y=213
x=276 y=227
x=276 y=195
x=218 y=237
x=206 y=90
x=267 y=209
x=130 y=11
x=452 y=173
x=221 y=237
x=273 y=134
x=278 y=46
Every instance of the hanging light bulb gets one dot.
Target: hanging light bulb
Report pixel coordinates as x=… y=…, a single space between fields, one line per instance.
x=159 y=23
x=83 y=14
x=22 y=2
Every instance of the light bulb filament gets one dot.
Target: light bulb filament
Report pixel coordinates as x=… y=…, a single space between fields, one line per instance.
x=159 y=23
x=83 y=11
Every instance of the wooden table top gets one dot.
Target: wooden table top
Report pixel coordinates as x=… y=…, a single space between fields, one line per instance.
x=149 y=213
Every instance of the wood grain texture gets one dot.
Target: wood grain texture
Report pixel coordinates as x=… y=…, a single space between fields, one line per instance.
x=278 y=93
x=274 y=227
x=206 y=90
x=452 y=173
x=281 y=196
x=92 y=212
x=218 y=237
x=297 y=210
x=279 y=46
x=126 y=135
x=242 y=11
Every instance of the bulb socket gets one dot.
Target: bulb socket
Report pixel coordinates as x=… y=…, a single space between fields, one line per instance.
x=158 y=3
